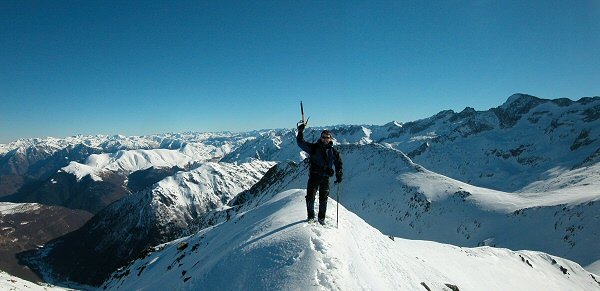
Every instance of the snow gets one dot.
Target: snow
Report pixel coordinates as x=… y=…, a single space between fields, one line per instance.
x=7 y=208
x=594 y=268
x=129 y=161
x=81 y=170
x=209 y=184
x=271 y=247
x=201 y=146
x=9 y=282
x=507 y=202
x=401 y=198
x=534 y=191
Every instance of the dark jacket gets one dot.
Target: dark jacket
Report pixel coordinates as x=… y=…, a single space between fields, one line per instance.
x=323 y=157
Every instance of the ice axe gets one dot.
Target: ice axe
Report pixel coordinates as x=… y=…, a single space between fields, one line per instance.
x=305 y=122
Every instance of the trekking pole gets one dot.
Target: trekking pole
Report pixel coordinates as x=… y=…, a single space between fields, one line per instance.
x=337 y=219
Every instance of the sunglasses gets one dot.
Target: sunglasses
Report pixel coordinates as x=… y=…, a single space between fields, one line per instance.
x=326 y=136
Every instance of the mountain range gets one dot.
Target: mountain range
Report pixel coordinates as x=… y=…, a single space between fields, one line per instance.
x=523 y=175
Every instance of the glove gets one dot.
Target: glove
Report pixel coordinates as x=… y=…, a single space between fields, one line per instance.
x=301 y=126
x=338 y=177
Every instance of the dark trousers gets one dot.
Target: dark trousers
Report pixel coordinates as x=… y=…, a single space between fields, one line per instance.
x=315 y=183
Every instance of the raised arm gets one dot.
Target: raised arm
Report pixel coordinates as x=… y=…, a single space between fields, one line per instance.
x=300 y=139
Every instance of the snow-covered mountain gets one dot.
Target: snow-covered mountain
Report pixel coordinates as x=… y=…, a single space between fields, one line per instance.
x=523 y=175
x=272 y=145
x=102 y=178
x=121 y=231
x=537 y=157
x=509 y=147
x=130 y=161
x=523 y=141
x=30 y=160
x=409 y=201
x=400 y=198
x=270 y=247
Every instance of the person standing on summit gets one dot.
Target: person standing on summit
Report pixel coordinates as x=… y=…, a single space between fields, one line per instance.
x=322 y=157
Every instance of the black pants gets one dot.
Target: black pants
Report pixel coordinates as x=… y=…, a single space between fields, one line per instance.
x=315 y=183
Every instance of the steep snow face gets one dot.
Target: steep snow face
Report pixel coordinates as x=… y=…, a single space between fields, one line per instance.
x=270 y=247
x=157 y=215
x=188 y=190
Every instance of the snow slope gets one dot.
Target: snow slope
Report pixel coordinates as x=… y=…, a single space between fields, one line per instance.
x=401 y=198
x=404 y=199
x=8 y=282
x=270 y=247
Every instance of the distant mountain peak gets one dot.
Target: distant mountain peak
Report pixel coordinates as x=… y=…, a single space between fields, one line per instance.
x=520 y=99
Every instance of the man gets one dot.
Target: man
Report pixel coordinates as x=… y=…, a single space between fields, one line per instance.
x=323 y=157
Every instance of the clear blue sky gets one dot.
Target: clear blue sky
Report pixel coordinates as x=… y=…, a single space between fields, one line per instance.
x=102 y=67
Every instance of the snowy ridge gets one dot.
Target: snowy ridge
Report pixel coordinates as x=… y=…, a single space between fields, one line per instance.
x=401 y=198
x=130 y=161
x=270 y=247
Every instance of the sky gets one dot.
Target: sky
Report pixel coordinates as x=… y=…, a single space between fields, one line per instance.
x=136 y=68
